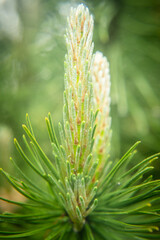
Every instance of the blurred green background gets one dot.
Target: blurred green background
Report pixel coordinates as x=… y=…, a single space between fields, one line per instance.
x=32 y=49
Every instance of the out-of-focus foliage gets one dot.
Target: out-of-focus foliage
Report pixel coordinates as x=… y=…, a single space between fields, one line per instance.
x=129 y=32
x=32 y=52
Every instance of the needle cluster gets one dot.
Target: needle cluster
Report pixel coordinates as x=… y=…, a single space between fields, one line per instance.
x=80 y=193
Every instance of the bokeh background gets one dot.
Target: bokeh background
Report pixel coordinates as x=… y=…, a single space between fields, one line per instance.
x=32 y=49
